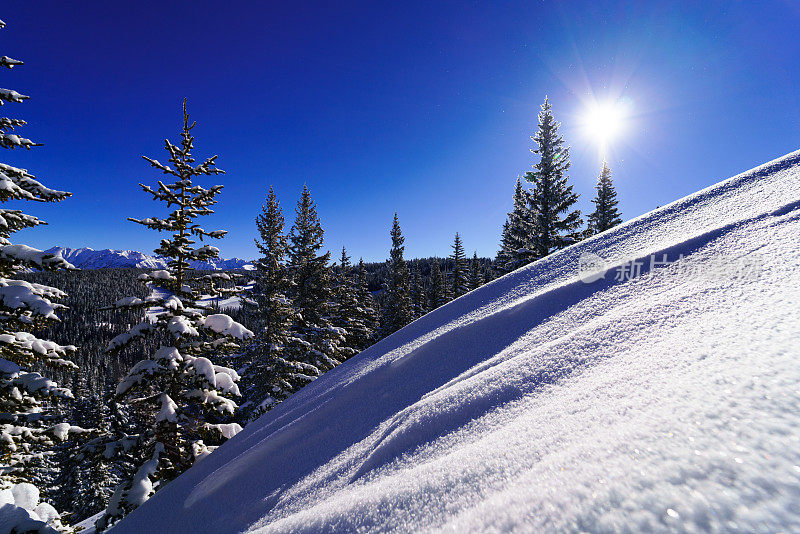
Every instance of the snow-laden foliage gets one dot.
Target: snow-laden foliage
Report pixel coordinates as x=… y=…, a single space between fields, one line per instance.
x=21 y=511
x=29 y=424
x=187 y=397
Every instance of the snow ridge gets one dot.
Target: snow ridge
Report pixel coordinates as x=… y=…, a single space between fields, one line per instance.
x=87 y=258
x=661 y=401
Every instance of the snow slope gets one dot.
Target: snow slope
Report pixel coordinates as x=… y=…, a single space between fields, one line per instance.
x=539 y=402
x=87 y=258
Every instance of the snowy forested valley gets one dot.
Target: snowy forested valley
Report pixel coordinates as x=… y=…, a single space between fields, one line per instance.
x=594 y=375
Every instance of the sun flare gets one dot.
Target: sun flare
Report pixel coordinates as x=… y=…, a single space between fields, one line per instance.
x=604 y=122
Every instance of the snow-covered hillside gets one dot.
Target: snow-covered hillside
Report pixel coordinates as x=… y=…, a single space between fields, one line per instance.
x=662 y=396
x=87 y=258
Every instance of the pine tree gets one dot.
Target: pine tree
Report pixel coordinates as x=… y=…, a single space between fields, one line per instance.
x=311 y=292
x=346 y=313
x=475 y=274
x=555 y=225
x=419 y=301
x=85 y=482
x=186 y=395
x=438 y=296
x=397 y=311
x=458 y=278
x=605 y=214
x=273 y=362
x=503 y=255
x=91 y=475
x=29 y=422
x=516 y=245
x=367 y=311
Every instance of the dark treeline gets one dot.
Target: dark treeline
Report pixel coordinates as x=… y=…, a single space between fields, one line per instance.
x=377 y=272
x=86 y=323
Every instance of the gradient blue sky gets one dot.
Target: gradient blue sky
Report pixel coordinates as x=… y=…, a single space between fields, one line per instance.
x=421 y=108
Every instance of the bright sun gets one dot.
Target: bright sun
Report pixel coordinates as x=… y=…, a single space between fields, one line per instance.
x=604 y=122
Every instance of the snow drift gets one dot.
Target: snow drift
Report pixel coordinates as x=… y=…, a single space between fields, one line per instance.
x=662 y=396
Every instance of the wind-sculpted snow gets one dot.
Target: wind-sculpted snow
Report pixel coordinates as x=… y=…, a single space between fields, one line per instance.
x=662 y=396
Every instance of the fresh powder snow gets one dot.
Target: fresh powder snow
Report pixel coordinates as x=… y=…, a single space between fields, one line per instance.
x=658 y=392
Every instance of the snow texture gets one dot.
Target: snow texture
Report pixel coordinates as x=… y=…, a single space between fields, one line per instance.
x=21 y=511
x=222 y=324
x=168 y=411
x=665 y=401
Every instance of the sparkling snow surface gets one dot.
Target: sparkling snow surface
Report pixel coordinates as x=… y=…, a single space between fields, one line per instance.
x=670 y=401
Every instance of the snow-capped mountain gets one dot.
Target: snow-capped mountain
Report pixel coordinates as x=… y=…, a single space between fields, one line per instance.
x=643 y=380
x=87 y=258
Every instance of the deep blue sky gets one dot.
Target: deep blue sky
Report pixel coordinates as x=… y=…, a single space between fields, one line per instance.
x=421 y=108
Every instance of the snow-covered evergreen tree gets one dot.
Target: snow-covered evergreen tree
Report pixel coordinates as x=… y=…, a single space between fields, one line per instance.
x=346 y=314
x=516 y=244
x=458 y=279
x=554 y=222
x=86 y=481
x=397 y=311
x=367 y=310
x=475 y=273
x=311 y=292
x=419 y=301
x=274 y=366
x=185 y=395
x=605 y=214
x=29 y=424
x=438 y=295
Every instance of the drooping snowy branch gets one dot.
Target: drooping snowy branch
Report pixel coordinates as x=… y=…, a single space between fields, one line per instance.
x=27 y=431
x=179 y=385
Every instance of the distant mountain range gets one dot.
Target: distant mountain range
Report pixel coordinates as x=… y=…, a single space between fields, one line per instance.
x=87 y=258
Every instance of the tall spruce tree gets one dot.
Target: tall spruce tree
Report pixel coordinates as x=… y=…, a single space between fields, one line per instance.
x=28 y=423
x=475 y=273
x=397 y=311
x=367 y=310
x=516 y=244
x=605 y=214
x=273 y=362
x=554 y=222
x=438 y=295
x=419 y=301
x=185 y=394
x=346 y=314
x=458 y=281
x=312 y=287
